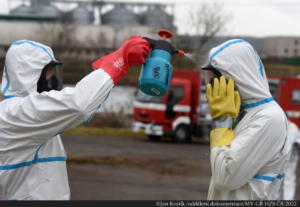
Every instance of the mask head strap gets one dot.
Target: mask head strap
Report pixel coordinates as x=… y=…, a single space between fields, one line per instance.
x=211 y=68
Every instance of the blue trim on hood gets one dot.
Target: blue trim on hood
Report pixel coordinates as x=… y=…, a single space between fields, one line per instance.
x=7 y=82
x=261 y=70
x=7 y=85
x=5 y=70
x=35 y=45
x=261 y=67
x=224 y=47
x=251 y=105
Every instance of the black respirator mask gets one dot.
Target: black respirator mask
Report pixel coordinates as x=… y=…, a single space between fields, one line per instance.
x=54 y=82
x=209 y=73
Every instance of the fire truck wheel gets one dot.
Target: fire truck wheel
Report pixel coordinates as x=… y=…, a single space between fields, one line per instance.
x=182 y=134
x=154 y=138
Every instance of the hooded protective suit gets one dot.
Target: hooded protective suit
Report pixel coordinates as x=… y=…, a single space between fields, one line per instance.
x=33 y=159
x=253 y=165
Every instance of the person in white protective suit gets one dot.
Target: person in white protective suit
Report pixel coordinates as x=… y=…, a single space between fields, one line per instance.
x=32 y=115
x=249 y=143
x=290 y=181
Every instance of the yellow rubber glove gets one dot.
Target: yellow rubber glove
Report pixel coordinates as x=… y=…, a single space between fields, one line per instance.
x=222 y=99
x=221 y=137
x=224 y=102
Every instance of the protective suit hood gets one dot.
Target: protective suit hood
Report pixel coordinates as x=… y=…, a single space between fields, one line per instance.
x=238 y=59
x=24 y=63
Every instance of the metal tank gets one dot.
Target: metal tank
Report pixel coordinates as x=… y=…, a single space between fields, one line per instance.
x=82 y=15
x=119 y=15
x=157 y=17
x=49 y=11
x=41 y=8
x=22 y=10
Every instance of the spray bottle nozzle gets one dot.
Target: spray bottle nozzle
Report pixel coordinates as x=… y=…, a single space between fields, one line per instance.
x=165 y=34
x=180 y=52
x=163 y=44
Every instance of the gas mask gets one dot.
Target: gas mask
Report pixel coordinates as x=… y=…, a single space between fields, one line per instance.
x=51 y=77
x=209 y=73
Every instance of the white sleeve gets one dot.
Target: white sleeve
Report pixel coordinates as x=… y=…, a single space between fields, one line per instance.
x=40 y=116
x=233 y=166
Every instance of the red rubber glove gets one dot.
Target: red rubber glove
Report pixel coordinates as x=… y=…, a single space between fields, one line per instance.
x=133 y=51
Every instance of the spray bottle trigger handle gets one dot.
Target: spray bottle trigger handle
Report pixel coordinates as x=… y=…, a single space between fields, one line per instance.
x=151 y=41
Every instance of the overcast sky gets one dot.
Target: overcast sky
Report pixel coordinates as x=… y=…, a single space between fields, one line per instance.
x=247 y=17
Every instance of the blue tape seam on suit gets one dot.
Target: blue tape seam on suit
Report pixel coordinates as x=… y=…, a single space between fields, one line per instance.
x=251 y=105
x=35 y=160
x=268 y=178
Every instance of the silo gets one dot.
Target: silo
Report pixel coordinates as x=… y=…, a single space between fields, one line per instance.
x=41 y=8
x=82 y=15
x=157 y=17
x=119 y=15
x=22 y=10
x=47 y=10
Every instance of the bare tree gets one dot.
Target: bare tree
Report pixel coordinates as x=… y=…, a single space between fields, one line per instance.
x=57 y=34
x=206 y=20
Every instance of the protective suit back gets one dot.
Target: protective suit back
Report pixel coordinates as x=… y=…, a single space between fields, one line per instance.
x=33 y=159
x=31 y=166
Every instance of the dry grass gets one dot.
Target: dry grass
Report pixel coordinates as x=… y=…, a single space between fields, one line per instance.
x=160 y=166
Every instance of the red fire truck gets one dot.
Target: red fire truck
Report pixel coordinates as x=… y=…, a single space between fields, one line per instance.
x=286 y=91
x=183 y=111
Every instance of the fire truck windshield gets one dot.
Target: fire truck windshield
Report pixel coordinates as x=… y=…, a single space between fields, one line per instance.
x=142 y=97
x=274 y=87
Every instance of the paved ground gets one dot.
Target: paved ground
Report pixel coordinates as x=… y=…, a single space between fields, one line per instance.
x=112 y=168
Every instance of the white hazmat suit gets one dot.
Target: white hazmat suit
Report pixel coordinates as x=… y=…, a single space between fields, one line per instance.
x=252 y=167
x=33 y=159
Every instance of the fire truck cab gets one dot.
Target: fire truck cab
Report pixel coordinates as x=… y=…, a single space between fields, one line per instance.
x=286 y=91
x=176 y=114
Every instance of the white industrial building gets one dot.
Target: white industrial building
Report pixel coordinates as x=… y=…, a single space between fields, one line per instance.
x=105 y=24
x=88 y=23
x=282 y=46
